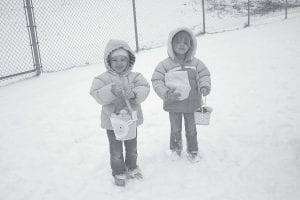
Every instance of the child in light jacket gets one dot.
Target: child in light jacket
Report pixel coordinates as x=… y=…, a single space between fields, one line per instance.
x=110 y=89
x=180 y=80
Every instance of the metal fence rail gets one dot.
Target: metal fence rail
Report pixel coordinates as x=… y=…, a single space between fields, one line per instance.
x=74 y=32
x=15 y=52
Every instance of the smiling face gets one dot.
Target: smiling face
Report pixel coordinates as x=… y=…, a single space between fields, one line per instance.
x=181 y=43
x=119 y=63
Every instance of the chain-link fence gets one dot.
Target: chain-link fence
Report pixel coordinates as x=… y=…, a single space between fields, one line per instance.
x=224 y=15
x=15 y=51
x=74 y=32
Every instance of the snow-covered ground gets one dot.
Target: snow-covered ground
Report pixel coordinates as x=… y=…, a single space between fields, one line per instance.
x=52 y=147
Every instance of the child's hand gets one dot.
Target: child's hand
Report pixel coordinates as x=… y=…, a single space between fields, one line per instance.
x=172 y=96
x=116 y=90
x=128 y=94
x=204 y=91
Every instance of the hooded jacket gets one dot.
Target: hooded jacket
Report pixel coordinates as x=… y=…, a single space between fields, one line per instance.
x=198 y=76
x=101 y=86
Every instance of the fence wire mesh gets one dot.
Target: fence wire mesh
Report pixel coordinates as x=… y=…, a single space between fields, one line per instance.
x=15 y=51
x=222 y=15
x=156 y=19
x=75 y=32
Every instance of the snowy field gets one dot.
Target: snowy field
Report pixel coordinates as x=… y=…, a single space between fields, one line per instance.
x=52 y=146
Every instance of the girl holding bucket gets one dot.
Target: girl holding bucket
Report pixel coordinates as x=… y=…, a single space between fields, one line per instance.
x=180 y=80
x=120 y=90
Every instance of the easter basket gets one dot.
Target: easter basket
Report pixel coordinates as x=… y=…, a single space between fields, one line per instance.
x=125 y=123
x=202 y=115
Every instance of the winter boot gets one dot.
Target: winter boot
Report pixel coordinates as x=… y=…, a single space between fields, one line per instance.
x=134 y=174
x=175 y=155
x=193 y=157
x=120 y=180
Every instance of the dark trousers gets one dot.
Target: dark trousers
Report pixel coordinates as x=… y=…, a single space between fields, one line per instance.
x=117 y=163
x=190 y=132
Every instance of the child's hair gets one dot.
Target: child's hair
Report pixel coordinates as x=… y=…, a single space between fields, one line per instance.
x=119 y=52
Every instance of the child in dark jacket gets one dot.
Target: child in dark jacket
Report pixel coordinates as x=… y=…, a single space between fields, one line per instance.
x=112 y=89
x=180 y=80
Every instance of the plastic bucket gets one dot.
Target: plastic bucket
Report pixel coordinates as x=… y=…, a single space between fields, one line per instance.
x=202 y=116
x=124 y=126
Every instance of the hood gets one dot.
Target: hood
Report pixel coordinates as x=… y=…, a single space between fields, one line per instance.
x=192 y=50
x=116 y=44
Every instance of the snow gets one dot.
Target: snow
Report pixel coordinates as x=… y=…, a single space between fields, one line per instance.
x=52 y=146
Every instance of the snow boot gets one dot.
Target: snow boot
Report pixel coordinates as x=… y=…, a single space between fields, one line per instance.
x=120 y=180
x=134 y=174
x=193 y=157
x=175 y=155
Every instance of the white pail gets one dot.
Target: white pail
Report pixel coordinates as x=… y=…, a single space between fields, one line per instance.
x=124 y=126
x=202 y=116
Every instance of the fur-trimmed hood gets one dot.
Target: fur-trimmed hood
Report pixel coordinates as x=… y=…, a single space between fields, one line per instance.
x=114 y=44
x=192 y=50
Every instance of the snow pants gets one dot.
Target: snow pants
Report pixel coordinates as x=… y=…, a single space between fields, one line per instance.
x=190 y=132
x=117 y=162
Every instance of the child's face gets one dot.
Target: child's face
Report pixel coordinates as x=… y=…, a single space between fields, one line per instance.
x=181 y=43
x=119 y=63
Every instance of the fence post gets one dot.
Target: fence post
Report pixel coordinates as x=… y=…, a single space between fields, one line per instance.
x=203 y=16
x=286 y=5
x=33 y=35
x=248 y=4
x=135 y=27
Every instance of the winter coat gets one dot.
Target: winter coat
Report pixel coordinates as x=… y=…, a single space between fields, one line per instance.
x=101 y=86
x=197 y=73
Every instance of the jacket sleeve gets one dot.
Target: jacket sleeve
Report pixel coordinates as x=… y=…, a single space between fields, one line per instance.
x=101 y=91
x=204 y=76
x=141 y=88
x=158 y=81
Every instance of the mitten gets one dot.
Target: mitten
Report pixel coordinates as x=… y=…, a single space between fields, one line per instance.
x=128 y=94
x=204 y=91
x=116 y=90
x=172 y=96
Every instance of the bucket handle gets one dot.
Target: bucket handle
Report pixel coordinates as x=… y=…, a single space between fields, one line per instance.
x=204 y=102
x=127 y=102
x=204 y=99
